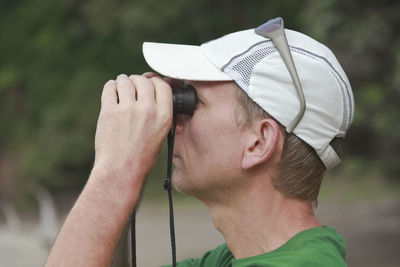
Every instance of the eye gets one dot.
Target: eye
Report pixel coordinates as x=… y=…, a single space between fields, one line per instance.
x=198 y=101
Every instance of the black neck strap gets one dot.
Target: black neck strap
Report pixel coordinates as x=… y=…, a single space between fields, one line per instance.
x=167 y=186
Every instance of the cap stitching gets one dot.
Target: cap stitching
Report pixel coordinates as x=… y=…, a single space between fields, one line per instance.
x=345 y=121
x=247 y=50
x=337 y=73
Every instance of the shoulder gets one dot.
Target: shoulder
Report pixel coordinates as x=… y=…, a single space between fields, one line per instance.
x=313 y=247
x=220 y=256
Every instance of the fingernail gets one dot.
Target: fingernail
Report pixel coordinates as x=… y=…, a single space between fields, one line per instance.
x=149 y=74
x=122 y=76
x=110 y=82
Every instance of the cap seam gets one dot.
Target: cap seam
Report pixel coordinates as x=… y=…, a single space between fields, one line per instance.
x=335 y=74
x=244 y=52
x=351 y=111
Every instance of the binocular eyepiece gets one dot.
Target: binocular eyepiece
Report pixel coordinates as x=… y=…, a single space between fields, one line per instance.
x=184 y=100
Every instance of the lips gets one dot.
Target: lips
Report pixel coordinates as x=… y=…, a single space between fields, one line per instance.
x=175 y=152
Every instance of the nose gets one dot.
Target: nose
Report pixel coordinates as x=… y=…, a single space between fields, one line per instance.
x=181 y=120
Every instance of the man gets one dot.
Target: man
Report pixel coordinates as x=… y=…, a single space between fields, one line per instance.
x=254 y=151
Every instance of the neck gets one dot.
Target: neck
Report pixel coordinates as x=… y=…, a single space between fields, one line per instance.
x=256 y=221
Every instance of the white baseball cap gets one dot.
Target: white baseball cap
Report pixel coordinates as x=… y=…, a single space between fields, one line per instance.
x=255 y=64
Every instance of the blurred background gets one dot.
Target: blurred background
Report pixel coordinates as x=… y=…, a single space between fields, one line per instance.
x=55 y=57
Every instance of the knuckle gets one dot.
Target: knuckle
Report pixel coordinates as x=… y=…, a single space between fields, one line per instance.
x=137 y=78
x=106 y=113
x=109 y=84
x=159 y=82
x=121 y=77
x=124 y=84
x=134 y=76
x=123 y=109
x=149 y=74
x=165 y=116
x=144 y=109
x=141 y=82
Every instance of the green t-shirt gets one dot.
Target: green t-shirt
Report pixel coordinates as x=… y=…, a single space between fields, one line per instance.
x=312 y=247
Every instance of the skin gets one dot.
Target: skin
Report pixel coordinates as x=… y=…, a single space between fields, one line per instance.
x=230 y=170
x=227 y=167
x=206 y=149
x=129 y=136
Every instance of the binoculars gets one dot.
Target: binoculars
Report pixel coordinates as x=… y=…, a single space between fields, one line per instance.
x=184 y=100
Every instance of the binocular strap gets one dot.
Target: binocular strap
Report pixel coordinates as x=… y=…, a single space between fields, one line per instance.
x=167 y=187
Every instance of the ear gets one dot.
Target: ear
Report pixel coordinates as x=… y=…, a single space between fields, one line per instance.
x=262 y=143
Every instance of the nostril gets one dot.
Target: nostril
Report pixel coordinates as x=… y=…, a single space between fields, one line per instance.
x=179 y=127
x=180 y=122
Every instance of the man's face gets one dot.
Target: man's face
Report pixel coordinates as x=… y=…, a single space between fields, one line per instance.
x=208 y=146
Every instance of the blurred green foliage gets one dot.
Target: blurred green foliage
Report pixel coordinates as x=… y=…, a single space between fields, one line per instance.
x=55 y=57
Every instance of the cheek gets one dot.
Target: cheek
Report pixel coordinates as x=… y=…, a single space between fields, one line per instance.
x=213 y=140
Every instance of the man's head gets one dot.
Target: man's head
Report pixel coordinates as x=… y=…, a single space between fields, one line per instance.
x=253 y=62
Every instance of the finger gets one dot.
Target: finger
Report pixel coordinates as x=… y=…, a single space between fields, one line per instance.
x=173 y=82
x=144 y=88
x=163 y=93
x=126 y=89
x=109 y=94
x=149 y=74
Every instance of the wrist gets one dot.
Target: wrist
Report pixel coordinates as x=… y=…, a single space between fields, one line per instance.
x=116 y=184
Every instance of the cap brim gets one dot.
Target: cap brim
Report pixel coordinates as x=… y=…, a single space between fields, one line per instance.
x=183 y=62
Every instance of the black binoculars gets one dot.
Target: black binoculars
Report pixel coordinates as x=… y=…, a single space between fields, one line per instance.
x=184 y=99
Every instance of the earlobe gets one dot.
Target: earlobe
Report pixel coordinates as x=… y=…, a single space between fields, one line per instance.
x=262 y=144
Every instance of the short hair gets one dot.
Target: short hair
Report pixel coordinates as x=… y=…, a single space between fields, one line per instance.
x=300 y=170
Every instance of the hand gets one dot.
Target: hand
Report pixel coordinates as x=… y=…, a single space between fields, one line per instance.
x=135 y=117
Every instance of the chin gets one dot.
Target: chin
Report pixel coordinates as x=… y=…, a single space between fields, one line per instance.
x=178 y=181
x=182 y=183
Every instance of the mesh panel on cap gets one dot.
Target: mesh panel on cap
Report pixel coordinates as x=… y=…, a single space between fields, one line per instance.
x=245 y=65
x=242 y=65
